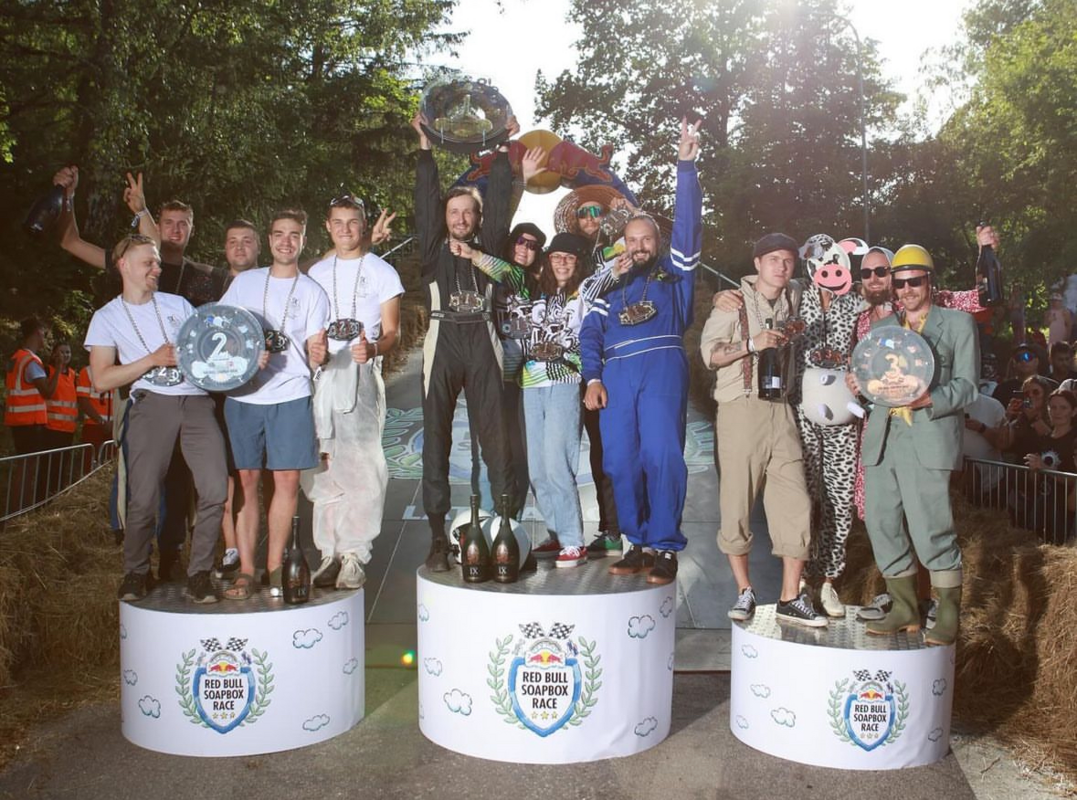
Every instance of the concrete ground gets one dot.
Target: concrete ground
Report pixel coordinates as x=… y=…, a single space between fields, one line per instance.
x=84 y=755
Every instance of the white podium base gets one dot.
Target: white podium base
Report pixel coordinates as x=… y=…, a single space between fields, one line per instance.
x=837 y=697
x=566 y=666
x=236 y=679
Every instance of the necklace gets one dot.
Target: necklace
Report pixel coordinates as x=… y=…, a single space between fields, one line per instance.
x=276 y=340
x=640 y=311
x=466 y=300
x=158 y=376
x=349 y=328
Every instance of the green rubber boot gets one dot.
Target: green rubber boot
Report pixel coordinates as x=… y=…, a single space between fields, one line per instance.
x=946 y=617
x=904 y=614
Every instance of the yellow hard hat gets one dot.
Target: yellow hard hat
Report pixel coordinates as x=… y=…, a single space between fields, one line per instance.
x=912 y=256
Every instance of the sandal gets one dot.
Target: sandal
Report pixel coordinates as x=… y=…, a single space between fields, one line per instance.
x=240 y=588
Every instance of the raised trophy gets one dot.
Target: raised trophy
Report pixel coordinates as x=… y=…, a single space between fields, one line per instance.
x=219 y=346
x=893 y=365
x=464 y=115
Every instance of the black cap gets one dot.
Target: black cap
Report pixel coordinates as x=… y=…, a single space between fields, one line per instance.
x=570 y=243
x=772 y=242
x=530 y=229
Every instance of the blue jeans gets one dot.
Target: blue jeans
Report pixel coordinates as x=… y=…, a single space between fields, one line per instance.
x=553 y=416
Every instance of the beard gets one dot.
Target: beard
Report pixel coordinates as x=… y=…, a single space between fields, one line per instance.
x=877 y=298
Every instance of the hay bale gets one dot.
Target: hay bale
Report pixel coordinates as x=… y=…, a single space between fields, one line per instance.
x=1017 y=650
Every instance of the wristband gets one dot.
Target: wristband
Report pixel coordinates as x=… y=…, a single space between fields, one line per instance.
x=751 y=345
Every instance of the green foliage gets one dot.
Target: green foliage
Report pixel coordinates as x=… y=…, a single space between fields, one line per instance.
x=776 y=86
x=238 y=108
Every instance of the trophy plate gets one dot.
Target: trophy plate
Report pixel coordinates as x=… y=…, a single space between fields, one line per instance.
x=219 y=346
x=465 y=115
x=893 y=365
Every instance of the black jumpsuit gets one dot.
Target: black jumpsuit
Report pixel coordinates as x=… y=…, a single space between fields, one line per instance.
x=461 y=350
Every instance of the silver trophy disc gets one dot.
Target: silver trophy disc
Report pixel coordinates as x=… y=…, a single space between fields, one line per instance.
x=219 y=346
x=893 y=365
x=464 y=115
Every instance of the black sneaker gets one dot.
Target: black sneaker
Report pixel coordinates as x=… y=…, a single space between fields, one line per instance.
x=326 y=575
x=635 y=560
x=744 y=608
x=170 y=567
x=133 y=586
x=801 y=611
x=665 y=568
x=437 y=560
x=200 y=588
x=605 y=544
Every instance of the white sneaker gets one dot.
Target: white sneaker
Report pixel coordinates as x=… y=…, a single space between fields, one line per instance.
x=829 y=600
x=351 y=573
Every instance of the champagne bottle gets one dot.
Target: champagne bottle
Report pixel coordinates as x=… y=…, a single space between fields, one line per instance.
x=474 y=552
x=989 y=277
x=506 y=549
x=295 y=576
x=770 y=371
x=45 y=211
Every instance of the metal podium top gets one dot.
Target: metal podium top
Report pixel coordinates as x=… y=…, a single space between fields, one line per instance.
x=843 y=634
x=169 y=598
x=588 y=578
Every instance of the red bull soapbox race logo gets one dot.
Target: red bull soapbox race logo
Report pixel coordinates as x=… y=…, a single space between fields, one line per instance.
x=225 y=686
x=868 y=710
x=546 y=681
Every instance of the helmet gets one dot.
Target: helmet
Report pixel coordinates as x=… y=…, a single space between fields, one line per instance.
x=912 y=256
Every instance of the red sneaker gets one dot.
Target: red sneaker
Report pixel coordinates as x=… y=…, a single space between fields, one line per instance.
x=571 y=557
x=548 y=549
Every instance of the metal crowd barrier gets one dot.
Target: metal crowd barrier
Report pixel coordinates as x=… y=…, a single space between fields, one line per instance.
x=1043 y=501
x=33 y=479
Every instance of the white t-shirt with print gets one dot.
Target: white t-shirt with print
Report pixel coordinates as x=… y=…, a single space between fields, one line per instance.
x=111 y=327
x=377 y=283
x=287 y=376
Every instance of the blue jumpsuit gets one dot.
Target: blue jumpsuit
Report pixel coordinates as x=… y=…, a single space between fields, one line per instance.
x=645 y=371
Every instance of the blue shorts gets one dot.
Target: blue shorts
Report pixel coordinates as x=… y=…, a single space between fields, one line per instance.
x=276 y=437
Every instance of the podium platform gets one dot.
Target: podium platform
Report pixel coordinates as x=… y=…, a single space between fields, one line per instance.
x=565 y=666
x=240 y=678
x=837 y=697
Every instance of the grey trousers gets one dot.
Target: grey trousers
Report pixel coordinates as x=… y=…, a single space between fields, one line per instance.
x=907 y=512
x=154 y=424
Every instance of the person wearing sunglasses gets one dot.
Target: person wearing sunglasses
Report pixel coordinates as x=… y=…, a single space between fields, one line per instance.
x=462 y=351
x=1025 y=361
x=131 y=340
x=511 y=310
x=910 y=453
x=348 y=486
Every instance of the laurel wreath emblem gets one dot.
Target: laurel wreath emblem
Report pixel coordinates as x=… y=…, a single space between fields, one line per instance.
x=844 y=688
x=263 y=688
x=503 y=702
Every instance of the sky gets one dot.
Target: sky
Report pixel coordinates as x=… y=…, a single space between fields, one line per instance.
x=509 y=44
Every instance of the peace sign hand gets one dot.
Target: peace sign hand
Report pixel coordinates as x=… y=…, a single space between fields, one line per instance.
x=688 y=147
x=134 y=195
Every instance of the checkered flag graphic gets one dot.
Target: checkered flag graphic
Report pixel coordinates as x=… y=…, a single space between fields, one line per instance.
x=211 y=644
x=531 y=630
x=236 y=645
x=882 y=676
x=560 y=631
x=862 y=674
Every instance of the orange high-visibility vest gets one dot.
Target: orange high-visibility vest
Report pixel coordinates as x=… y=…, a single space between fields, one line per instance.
x=62 y=409
x=101 y=401
x=24 y=405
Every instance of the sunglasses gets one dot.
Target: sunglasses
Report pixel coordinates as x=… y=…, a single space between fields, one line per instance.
x=901 y=283
x=132 y=240
x=530 y=244
x=347 y=200
x=878 y=272
x=1025 y=355
x=589 y=211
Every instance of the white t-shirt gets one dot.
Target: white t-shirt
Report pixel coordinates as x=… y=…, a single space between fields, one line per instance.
x=287 y=376
x=111 y=327
x=378 y=282
x=991 y=413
